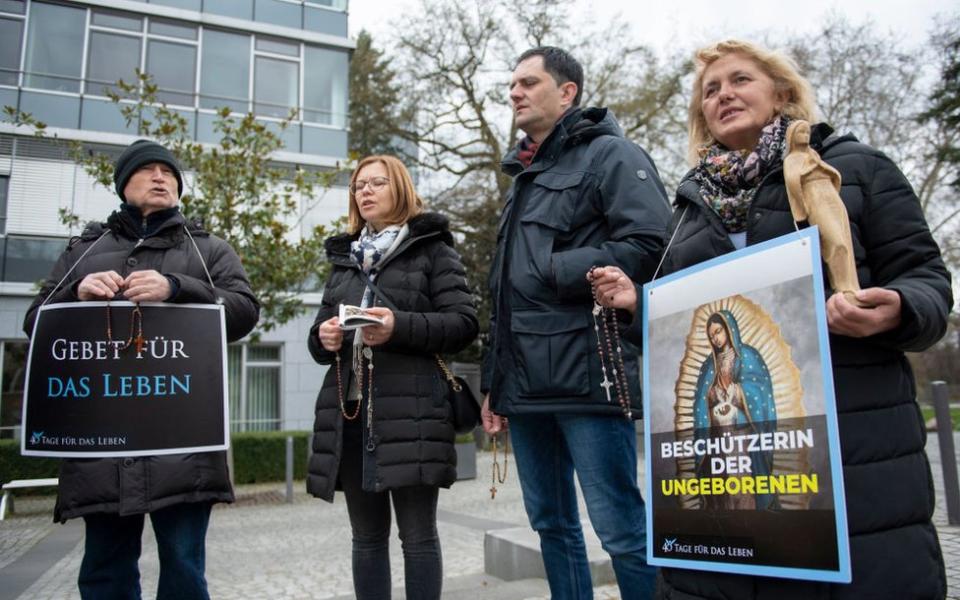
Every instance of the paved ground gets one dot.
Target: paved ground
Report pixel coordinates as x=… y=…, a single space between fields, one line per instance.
x=262 y=547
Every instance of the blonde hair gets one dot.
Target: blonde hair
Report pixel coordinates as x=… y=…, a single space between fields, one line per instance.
x=406 y=203
x=800 y=101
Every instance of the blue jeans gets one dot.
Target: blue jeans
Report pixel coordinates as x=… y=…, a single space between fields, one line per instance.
x=603 y=452
x=112 y=551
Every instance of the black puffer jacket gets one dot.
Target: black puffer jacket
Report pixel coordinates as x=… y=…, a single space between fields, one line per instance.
x=412 y=435
x=889 y=490
x=590 y=198
x=140 y=485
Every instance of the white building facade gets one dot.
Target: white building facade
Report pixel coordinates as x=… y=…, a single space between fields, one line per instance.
x=265 y=56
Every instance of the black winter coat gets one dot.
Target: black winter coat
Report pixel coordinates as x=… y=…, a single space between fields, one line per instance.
x=590 y=198
x=889 y=490
x=412 y=435
x=143 y=484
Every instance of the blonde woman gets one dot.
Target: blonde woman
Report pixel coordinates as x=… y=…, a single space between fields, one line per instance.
x=744 y=98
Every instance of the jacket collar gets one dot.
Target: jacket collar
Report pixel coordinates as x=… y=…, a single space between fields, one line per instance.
x=168 y=230
x=575 y=127
x=423 y=226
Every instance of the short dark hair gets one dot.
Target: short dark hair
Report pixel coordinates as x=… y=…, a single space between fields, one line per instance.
x=561 y=65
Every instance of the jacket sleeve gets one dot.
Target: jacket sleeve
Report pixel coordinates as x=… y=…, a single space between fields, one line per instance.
x=631 y=324
x=65 y=293
x=231 y=287
x=452 y=325
x=903 y=256
x=328 y=310
x=636 y=209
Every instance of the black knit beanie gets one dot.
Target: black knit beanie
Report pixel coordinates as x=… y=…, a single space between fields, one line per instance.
x=139 y=153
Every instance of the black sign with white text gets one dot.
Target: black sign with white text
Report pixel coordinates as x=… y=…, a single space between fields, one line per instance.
x=147 y=383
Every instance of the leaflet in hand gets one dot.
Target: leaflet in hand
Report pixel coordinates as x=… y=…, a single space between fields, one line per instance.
x=354 y=317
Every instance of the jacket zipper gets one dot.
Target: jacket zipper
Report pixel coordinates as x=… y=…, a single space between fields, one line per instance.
x=750 y=210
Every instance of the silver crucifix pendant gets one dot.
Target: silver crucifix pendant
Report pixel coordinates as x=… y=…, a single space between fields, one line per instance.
x=605 y=384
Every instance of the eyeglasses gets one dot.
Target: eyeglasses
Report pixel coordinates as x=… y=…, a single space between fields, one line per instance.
x=375 y=184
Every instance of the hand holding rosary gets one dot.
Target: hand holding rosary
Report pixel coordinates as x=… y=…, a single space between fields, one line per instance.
x=609 y=349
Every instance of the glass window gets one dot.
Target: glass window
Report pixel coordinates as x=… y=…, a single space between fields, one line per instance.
x=111 y=57
x=173 y=29
x=18 y=7
x=268 y=353
x=241 y=9
x=55 y=47
x=278 y=12
x=336 y=4
x=235 y=386
x=30 y=259
x=174 y=70
x=117 y=20
x=187 y=4
x=225 y=70
x=325 y=86
x=277 y=46
x=323 y=20
x=11 y=31
x=263 y=398
x=14 y=356
x=276 y=87
x=254 y=383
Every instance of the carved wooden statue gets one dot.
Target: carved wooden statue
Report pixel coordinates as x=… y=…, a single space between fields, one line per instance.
x=813 y=188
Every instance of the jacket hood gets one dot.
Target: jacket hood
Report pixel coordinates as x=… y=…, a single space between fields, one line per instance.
x=578 y=126
x=426 y=224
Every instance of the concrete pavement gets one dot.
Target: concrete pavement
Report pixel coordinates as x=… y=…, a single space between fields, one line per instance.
x=262 y=547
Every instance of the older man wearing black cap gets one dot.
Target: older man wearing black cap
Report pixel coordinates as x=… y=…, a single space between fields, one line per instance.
x=147 y=252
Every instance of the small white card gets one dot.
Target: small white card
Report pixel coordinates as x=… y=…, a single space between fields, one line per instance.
x=354 y=317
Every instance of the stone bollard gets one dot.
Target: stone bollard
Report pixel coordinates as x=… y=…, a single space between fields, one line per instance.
x=289 y=469
x=948 y=457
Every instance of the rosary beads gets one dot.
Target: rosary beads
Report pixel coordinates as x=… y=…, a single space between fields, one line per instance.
x=136 y=322
x=610 y=351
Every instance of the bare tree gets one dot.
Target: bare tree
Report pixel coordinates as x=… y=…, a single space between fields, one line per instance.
x=867 y=82
x=455 y=59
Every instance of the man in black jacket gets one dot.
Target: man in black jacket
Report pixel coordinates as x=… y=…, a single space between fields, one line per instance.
x=582 y=196
x=147 y=252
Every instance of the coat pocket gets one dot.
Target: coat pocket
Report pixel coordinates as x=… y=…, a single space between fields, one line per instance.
x=552 y=353
x=553 y=200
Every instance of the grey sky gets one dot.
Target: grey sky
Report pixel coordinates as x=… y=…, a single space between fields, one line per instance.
x=695 y=22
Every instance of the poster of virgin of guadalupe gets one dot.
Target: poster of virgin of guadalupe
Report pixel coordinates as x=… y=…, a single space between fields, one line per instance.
x=742 y=451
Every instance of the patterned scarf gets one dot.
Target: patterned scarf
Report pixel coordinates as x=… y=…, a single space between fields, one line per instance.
x=729 y=178
x=371 y=248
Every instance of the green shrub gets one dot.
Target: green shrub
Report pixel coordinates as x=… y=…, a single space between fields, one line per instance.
x=928 y=414
x=260 y=456
x=13 y=466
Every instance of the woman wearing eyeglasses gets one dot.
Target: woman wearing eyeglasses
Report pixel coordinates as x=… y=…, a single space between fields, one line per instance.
x=382 y=432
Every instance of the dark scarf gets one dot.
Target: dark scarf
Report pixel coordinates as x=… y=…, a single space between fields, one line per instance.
x=145 y=226
x=729 y=179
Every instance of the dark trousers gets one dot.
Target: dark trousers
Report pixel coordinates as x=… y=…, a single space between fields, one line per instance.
x=416 y=510
x=112 y=550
